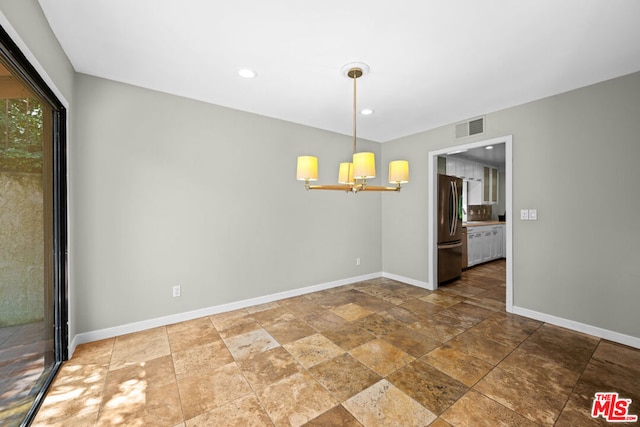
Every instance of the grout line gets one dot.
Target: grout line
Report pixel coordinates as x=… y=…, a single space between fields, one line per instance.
x=465 y=299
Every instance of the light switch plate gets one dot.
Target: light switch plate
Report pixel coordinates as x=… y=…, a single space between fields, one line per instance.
x=533 y=214
x=524 y=214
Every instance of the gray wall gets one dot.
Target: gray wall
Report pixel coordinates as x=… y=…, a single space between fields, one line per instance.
x=159 y=196
x=575 y=159
x=174 y=191
x=27 y=19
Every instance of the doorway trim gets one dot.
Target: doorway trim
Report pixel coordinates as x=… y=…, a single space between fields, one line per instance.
x=433 y=213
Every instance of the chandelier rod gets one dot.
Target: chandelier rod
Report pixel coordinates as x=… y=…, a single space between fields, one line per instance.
x=355 y=77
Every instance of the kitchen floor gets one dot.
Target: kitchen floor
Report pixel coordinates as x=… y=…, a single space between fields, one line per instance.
x=372 y=353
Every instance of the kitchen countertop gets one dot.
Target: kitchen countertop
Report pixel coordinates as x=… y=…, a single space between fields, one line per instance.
x=481 y=223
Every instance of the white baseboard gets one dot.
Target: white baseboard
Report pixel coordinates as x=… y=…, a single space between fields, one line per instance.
x=579 y=327
x=408 y=280
x=208 y=311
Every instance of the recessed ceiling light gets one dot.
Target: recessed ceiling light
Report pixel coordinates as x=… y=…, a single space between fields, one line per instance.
x=489 y=147
x=367 y=112
x=247 y=73
x=456 y=152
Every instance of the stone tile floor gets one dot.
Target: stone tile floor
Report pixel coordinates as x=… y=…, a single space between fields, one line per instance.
x=373 y=353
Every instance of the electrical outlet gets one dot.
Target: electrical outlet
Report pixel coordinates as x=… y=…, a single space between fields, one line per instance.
x=176 y=291
x=524 y=214
x=533 y=214
x=357 y=261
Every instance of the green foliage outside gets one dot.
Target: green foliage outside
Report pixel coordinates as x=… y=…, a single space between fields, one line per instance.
x=21 y=135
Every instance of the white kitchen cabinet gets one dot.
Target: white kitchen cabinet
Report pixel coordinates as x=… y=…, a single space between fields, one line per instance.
x=474 y=247
x=496 y=243
x=474 y=193
x=474 y=171
x=478 y=171
x=484 y=243
x=452 y=166
x=498 y=232
x=469 y=170
x=490 y=185
x=494 y=185
x=465 y=169
x=482 y=180
x=487 y=245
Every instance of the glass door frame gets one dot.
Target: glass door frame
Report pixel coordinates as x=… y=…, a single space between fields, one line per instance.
x=14 y=58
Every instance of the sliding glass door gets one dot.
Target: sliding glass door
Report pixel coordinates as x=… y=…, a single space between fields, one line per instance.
x=33 y=334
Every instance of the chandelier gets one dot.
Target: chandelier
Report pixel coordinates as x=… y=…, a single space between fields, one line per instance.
x=352 y=176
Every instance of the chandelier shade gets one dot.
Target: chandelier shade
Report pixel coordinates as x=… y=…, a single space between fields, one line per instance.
x=345 y=174
x=364 y=165
x=352 y=177
x=307 y=168
x=398 y=172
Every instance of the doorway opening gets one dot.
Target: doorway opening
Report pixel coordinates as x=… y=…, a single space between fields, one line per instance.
x=508 y=196
x=33 y=236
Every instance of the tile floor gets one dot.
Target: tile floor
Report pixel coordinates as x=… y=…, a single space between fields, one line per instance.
x=374 y=353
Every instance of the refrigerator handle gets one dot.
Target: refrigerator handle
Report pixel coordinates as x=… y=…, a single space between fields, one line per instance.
x=455 y=220
x=450 y=245
x=452 y=198
x=455 y=210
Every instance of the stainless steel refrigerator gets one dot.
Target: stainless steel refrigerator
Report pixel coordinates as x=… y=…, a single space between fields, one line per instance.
x=449 y=228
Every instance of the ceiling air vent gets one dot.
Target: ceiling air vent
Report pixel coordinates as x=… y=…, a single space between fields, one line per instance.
x=470 y=127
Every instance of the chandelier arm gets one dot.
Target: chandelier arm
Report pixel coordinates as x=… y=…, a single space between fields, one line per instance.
x=330 y=187
x=379 y=188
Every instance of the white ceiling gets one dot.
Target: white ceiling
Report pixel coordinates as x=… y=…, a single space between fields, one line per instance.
x=496 y=156
x=432 y=62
